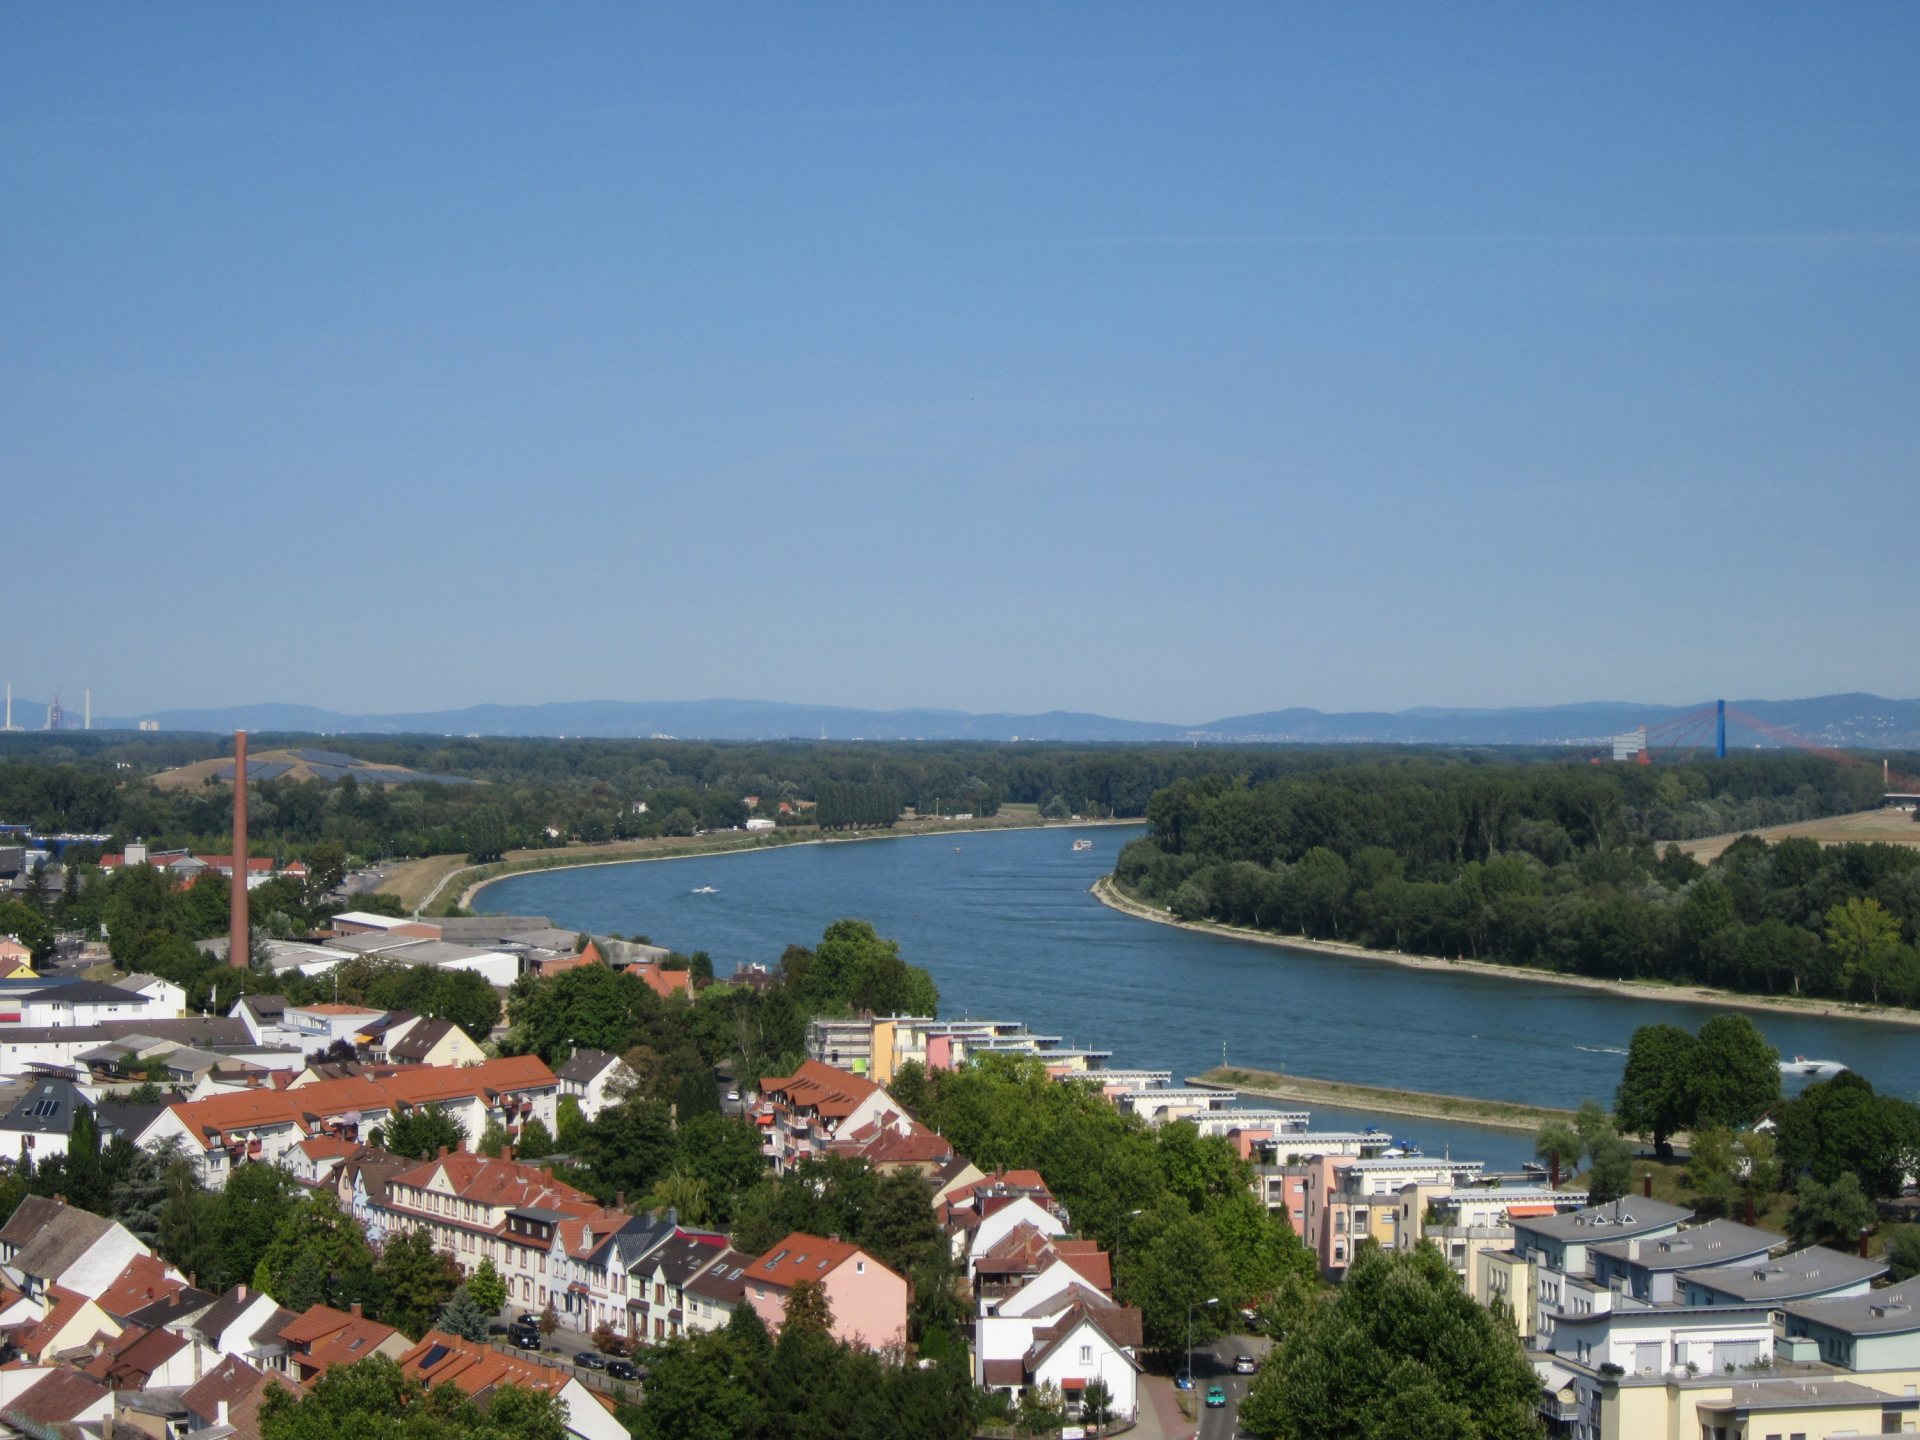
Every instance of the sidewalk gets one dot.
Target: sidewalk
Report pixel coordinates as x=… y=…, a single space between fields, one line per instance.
x=1160 y=1417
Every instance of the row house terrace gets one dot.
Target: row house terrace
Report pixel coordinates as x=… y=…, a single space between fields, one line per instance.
x=599 y=1266
x=265 y=1124
x=477 y=1208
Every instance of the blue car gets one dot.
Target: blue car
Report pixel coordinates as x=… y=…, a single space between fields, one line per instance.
x=1183 y=1381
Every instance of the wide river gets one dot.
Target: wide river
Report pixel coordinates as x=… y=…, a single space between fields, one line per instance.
x=1005 y=923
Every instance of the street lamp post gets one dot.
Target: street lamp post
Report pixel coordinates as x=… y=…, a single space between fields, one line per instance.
x=1193 y=1305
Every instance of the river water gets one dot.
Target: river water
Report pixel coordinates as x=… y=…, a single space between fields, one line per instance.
x=1006 y=925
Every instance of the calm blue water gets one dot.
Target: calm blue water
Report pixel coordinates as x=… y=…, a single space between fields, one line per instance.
x=1005 y=924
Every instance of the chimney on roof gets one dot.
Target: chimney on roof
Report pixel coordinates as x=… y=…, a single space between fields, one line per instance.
x=1646 y=1185
x=242 y=1288
x=506 y=1151
x=239 y=948
x=620 y=1199
x=1865 y=1236
x=356 y=1309
x=835 y=1237
x=443 y=1152
x=1749 y=1209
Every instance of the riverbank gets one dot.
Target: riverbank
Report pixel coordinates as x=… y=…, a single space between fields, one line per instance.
x=1109 y=894
x=634 y=852
x=1374 y=1099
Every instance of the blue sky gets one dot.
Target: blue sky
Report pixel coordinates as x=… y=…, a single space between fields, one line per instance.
x=1171 y=362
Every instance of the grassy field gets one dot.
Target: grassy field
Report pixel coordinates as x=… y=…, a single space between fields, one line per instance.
x=1896 y=827
x=1498 y=1114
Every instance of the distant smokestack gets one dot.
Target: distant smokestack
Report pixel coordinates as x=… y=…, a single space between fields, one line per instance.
x=239 y=949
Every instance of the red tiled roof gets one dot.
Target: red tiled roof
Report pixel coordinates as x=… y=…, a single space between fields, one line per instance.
x=133 y=1366
x=665 y=982
x=144 y=1281
x=497 y=1182
x=443 y=1359
x=804 y=1257
x=40 y=1334
x=231 y=1380
x=834 y=1094
x=355 y=1340
x=316 y=1321
x=57 y=1398
x=207 y=1120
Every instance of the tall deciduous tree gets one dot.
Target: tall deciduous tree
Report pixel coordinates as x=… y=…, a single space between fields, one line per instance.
x=1401 y=1339
x=1657 y=1095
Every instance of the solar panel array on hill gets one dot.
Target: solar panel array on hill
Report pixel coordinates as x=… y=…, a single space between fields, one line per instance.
x=258 y=771
x=323 y=771
x=325 y=757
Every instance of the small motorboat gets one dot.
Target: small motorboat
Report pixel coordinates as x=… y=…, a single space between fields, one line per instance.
x=1083 y=844
x=705 y=890
x=1801 y=1065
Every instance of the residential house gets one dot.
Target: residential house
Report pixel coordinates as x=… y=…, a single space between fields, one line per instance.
x=54 y=1323
x=146 y=1280
x=592 y=1077
x=507 y=1211
x=477 y=1370
x=228 y=1395
x=243 y=1323
x=659 y=1281
x=592 y=1260
x=868 y=1300
x=1815 y=1273
x=1879 y=1330
x=717 y=1291
x=47 y=1243
x=16 y=959
x=40 y=1123
x=56 y=1403
x=325 y=1337
x=169 y=998
x=799 y=1114
x=425 y=1041
x=363 y=1180
x=264 y=1124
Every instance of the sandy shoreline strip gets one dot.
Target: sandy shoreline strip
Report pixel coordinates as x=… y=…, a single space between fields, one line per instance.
x=1375 y=1099
x=1108 y=894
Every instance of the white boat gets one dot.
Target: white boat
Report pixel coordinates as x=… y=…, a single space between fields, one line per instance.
x=1801 y=1065
x=1083 y=844
x=705 y=890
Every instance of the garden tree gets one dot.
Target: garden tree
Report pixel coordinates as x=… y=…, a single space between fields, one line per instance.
x=246 y=1216
x=486 y=1287
x=591 y=1006
x=190 y=1224
x=1399 y=1339
x=487 y=837
x=29 y=927
x=1738 y=1076
x=139 y=1196
x=1864 y=941
x=493 y=1139
x=628 y=1146
x=806 y=1310
x=1042 y=1411
x=1713 y=1170
x=1657 y=1094
x=1610 y=1169
x=1181 y=1266
x=1557 y=1145
x=1829 y=1214
x=1903 y=1253
x=724 y=1153
x=570 y=1124
x=683 y=1193
x=1096 y=1405
x=696 y=1391
x=314 y=1253
x=373 y=1399
x=421 y=1132
x=549 y=1320
x=1757 y=1163
x=86 y=1182
x=909 y=1087
x=853 y=967
x=464 y=1316
x=1842 y=1127
x=417 y=1280
x=536 y=1141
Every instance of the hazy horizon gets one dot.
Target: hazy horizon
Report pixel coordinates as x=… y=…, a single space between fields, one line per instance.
x=1145 y=363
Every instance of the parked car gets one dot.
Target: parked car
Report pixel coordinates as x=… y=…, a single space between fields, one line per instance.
x=525 y=1339
x=622 y=1370
x=590 y=1360
x=1216 y=1397
x=1183 y=1380
x=1243 y=1365
x=496 y=1328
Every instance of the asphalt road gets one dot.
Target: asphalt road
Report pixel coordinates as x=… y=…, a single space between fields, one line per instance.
x=1213 y=1365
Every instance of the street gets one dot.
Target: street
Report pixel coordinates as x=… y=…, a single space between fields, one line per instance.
x=1212 y=1365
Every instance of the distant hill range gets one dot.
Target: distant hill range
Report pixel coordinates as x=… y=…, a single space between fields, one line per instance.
x=1839 y=720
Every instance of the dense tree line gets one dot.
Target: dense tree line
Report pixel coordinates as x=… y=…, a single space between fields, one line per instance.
x=1549 y=867
x=851 y=807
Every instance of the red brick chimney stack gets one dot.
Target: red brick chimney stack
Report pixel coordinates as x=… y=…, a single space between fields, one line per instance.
x=239 y=948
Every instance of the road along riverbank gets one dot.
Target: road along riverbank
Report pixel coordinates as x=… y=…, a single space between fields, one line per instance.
x=1108 y=893
x=1304 y=1090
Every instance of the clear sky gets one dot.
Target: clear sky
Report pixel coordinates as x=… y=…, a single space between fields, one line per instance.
x=1168 y=361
